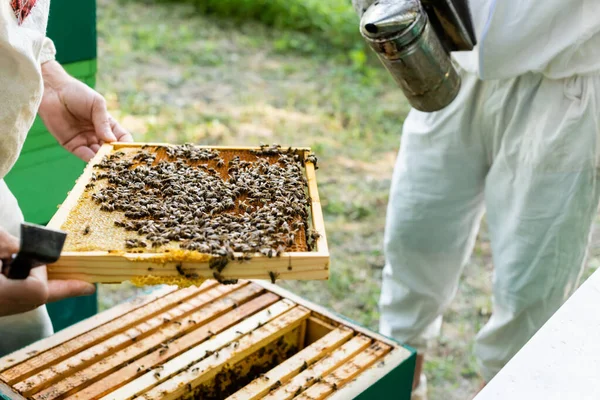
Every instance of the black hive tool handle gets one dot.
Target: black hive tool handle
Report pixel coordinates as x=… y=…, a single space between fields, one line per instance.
x=39 y=246
x=19 y=267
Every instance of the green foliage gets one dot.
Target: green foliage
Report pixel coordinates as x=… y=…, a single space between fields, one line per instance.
x=331 y=22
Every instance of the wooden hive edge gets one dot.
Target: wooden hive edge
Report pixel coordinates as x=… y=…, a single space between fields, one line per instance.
x=318 y=221
x=176 y=386
x=71 y=373
x=120 y=145
x=321 y=311
x=100 y=333
x=79 y=329
x=321 y=368
x=294 y=365
x=177 y=347
x=344 y=374
x=108 y=267
x=371 y=375
x=183 y=361
x=7 y=392
x=72 y=198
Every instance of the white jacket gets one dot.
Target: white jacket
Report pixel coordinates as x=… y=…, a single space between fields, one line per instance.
x=557 y=38
x=23 y=48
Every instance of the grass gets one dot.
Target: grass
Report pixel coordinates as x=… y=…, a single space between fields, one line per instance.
x=171 y=74
x=333 y=22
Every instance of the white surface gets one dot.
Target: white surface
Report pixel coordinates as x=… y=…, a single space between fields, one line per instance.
x=562 y=361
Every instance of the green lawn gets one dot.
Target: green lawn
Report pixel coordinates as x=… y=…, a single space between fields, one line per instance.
x=172 y=75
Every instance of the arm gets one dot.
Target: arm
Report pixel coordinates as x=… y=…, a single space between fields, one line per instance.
x=75 y=114
x=20 y=89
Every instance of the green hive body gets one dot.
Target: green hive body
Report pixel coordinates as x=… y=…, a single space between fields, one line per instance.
x=45 y=172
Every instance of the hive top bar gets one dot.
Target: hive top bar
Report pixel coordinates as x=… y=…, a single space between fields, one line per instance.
x=197 y=204
x=246 y=341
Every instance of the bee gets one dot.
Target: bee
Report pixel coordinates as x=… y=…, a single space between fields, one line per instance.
x=273 y=276
x=267 y=252
x=279 y=251
x=219 y=278
x=304 y=366
x=218 y=263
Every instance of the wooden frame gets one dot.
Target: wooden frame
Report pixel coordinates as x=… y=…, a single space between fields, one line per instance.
x=236 y=326
x=119 y=266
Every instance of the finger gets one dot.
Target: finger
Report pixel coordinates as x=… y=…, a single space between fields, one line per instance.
x=95 y=147
x=9 y=244
x=39 y=274
x=62 y=289
x=101 y=120
x=121 y=133
x=12 y=309
x=84 y=152
x=30 y=291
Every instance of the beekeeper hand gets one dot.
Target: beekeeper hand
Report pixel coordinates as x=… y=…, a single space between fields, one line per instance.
x=75 y=114
x=18 y=296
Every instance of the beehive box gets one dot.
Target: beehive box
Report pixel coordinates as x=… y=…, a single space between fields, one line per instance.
x=111 y=241
x=250 y=340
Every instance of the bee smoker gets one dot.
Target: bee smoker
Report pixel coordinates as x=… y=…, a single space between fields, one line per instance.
x=413 y=39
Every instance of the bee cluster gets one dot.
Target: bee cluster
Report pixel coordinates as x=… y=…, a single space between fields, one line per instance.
x=206 y=201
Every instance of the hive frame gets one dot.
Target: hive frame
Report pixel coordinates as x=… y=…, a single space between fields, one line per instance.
x=378 y=377
x=117 y=266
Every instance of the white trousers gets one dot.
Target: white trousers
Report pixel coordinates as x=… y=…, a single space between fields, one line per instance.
x=527 y=149
x=17 y=331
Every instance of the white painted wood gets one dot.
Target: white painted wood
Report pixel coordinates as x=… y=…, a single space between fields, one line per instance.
x=562 y=360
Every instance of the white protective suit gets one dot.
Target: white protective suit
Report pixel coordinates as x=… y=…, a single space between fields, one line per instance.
x=521 y=139
x=23 y=48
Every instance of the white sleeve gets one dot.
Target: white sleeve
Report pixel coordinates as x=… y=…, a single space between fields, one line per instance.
x=48 y=52
x=21 y=84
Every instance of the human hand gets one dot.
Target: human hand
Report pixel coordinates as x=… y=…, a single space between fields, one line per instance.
x=76 y=115
x=19 y=296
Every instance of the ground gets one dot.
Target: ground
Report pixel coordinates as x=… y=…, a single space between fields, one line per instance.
x=172 y=75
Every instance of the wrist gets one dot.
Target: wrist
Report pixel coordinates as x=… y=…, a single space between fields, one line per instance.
x=55 y=78
x=54 y=75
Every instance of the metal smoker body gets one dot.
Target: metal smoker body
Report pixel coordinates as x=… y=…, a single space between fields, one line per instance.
x=413 y=39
